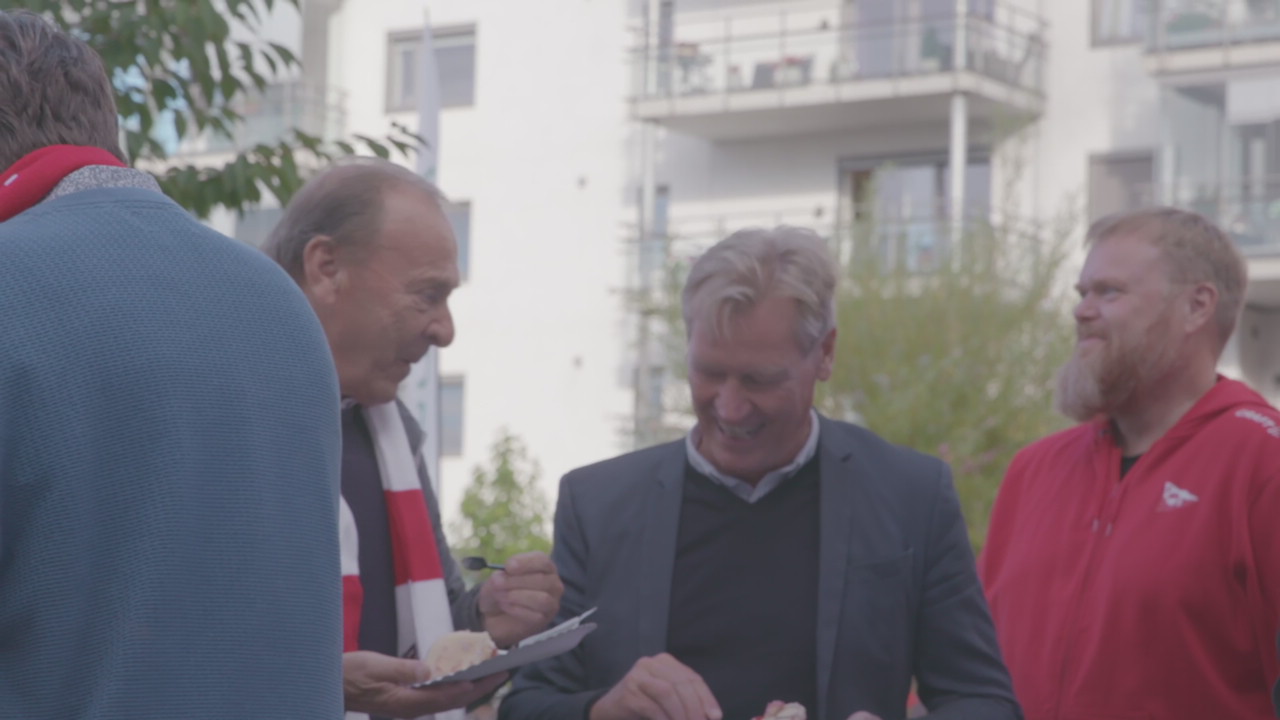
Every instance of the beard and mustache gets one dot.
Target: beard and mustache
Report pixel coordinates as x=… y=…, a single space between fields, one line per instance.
x=1102 y=379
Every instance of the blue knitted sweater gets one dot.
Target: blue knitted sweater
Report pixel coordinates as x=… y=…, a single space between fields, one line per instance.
x=169 y=459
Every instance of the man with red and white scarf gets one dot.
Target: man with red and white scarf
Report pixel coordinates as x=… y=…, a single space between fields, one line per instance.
x=372 y=249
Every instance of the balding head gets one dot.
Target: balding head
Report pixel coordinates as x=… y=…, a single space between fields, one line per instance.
x=346 y=203
x=372 y=249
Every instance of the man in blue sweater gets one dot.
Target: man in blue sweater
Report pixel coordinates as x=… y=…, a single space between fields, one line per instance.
x=169 y=434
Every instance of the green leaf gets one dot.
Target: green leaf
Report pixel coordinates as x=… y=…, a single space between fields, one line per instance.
x=376 y=147
x=271 y=63
x=310 y=142
x=285 y=54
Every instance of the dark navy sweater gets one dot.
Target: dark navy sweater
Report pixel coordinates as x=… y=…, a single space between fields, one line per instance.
x=744 y=592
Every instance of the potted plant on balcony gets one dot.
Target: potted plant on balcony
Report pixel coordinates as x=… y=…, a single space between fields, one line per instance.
x=843 y=68
x=792 y=70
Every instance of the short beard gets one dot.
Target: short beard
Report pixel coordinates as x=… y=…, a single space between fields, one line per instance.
x=1088 y=387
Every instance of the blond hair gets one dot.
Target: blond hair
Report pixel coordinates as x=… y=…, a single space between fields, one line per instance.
x=752 y=264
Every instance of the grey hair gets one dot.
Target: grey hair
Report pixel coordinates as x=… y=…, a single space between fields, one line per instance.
x=752 y=264
x=343 y=202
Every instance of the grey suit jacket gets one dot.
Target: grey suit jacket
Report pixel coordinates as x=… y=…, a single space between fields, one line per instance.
x=898 y=591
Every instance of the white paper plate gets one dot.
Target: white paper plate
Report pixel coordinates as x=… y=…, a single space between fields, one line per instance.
x=559 y=639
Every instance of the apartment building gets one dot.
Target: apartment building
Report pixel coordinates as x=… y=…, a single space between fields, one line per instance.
x=924 y=114
x=587 y=143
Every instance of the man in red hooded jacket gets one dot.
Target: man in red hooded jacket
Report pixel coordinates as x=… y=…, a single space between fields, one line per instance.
x=1133 y=562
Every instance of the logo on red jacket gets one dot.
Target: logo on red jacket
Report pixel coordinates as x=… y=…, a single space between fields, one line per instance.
x=1271 y=426
x=1175 y=497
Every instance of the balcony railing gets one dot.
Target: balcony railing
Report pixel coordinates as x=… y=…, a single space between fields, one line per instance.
x=269 y=116
x=1007 y=47
x=1186 y=25
x=917 y=242
x=1248 y=210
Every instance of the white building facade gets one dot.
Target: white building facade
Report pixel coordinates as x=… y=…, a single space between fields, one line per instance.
x=925 y=113
x=586 y=142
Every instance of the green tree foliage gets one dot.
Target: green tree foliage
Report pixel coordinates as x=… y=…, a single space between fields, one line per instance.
x=187 y=68
x=503 y=510
x=959 y=360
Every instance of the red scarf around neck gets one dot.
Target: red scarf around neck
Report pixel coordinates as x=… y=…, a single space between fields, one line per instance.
x=37 y=173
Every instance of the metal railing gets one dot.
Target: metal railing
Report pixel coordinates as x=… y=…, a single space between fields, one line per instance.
x=269 y=116
x=1248 y=210
x=1191 y=24
x=1007 y=47
x=917 y=242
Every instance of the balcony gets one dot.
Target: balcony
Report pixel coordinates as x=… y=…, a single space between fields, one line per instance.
x=726 y=85
x=1248 y=210
x=915 y=242
x=269 y=116
x=1209 y=38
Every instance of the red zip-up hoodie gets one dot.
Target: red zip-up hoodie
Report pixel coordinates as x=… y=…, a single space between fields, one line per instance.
x=1152 y=597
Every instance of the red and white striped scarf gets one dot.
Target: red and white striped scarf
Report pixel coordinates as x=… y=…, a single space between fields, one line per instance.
x=422 y=601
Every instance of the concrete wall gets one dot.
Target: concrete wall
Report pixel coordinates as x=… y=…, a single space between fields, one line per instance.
x=541 y=157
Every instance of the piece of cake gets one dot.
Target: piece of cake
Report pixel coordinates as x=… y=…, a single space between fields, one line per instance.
x=459 y=651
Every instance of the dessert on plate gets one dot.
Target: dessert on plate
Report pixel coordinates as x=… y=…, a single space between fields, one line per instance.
x=458 y=651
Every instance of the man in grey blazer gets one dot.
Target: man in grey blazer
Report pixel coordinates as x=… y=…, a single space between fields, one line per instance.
x=774 y=554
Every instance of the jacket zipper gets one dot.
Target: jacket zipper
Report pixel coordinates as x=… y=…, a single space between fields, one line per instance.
x=1099 y=530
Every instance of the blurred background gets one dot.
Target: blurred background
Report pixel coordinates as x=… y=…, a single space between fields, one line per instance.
x=952 y=151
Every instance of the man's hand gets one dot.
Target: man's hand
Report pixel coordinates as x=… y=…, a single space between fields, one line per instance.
x=863 y=715
x=378 y=684
x=521 y=600
x=658 y=688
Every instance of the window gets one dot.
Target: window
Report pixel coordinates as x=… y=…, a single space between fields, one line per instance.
x=900 y=206
x=402 y=71
x=666 y=41
x=451 y=416
x=455 y=65
x=456 y=60
x=1120 y=182
x=1120 y=21
x=653 y=247
x=459 y=215
x=918 y=188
